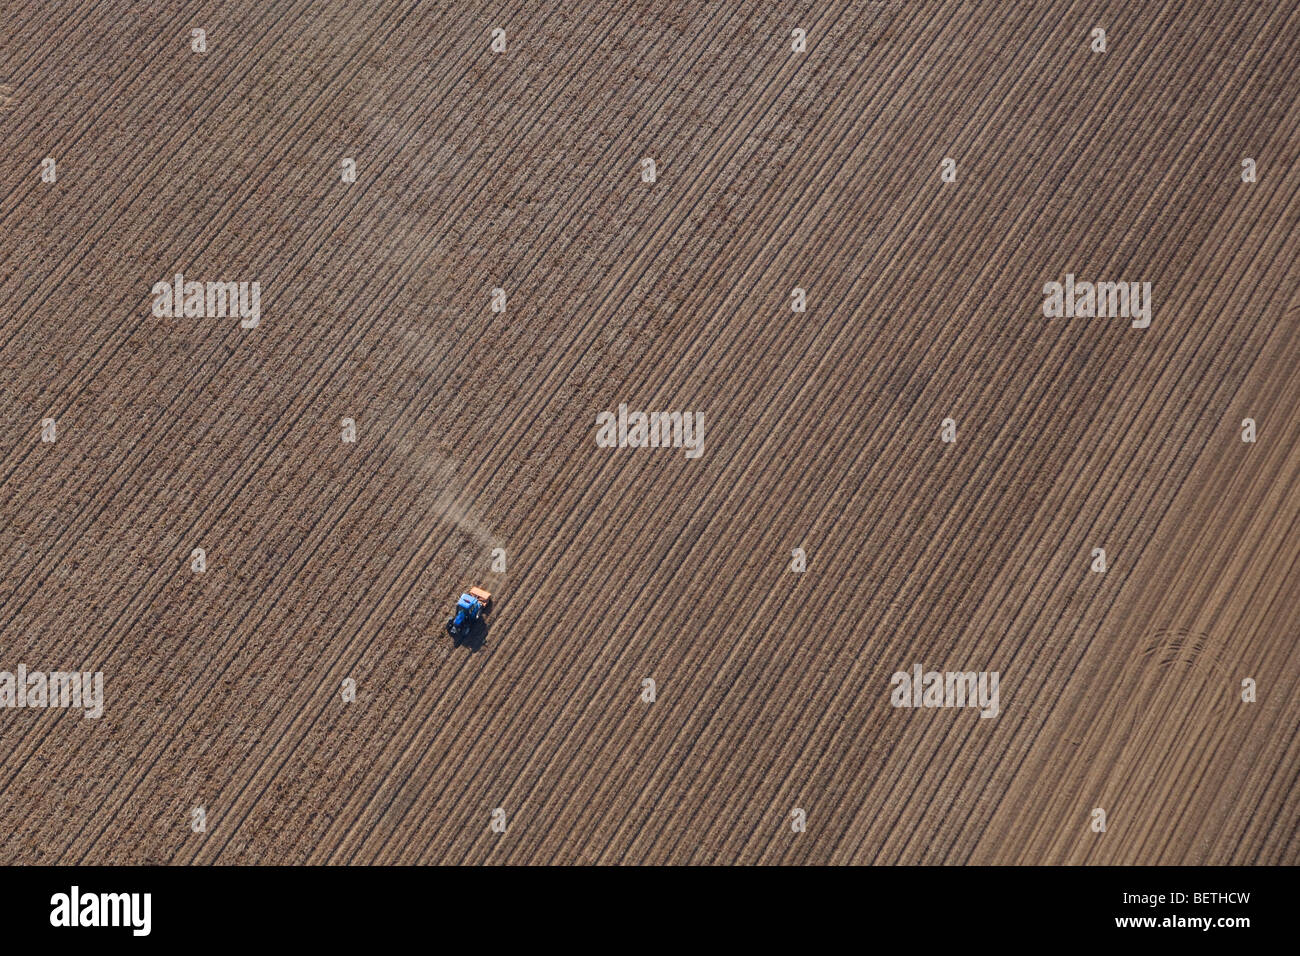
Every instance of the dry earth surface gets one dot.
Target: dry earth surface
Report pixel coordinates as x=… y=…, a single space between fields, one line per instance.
x=774 y=169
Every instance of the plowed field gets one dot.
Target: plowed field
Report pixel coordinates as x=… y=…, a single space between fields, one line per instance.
x=1163 y=690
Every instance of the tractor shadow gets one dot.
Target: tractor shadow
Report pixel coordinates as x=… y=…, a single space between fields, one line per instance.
x=476 y=638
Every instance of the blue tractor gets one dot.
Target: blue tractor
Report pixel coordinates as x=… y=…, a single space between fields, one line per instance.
x=469 y=609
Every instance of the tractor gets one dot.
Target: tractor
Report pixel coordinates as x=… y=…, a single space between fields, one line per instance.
x=469 y=610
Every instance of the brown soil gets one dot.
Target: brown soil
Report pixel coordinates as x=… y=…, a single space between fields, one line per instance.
x=476 y=430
